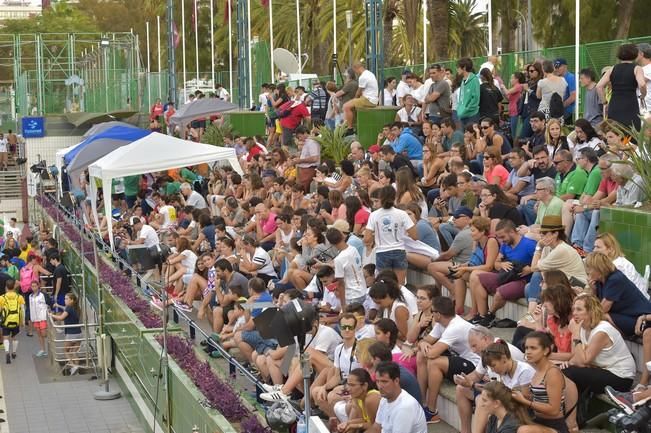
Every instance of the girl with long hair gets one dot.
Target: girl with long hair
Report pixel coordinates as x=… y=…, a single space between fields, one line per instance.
x=505 y=414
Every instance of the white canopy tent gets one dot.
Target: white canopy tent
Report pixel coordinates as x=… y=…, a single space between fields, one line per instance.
x=155 y=152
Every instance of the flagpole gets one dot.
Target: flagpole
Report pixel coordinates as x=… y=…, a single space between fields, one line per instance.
x=271 y=38
x=298 y=32
x=490 y=28
x=160 y=84
x=148 y=68
x=577 y=51
x=425 y=37
x=185 y=77
x=248 y=17
x=212 y=45
x=196 y=39
x=334 y=40
x=230 y=49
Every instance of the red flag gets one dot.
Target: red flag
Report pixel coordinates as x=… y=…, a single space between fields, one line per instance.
x=177 y=37
x=227 y=12
x=264 y=3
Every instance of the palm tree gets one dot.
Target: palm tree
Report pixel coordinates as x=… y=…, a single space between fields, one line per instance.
x=439 y=20
x=467 y=34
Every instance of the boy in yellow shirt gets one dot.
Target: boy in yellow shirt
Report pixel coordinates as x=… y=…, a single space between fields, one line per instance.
x=12 y=312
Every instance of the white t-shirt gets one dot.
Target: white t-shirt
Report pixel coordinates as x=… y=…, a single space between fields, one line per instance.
x=169 y=215
x=647 y=77
x=368 y=83
x=388 y=97
x=223 y=94
x=409 y=116
x=410 y=300
x=196 y=200
x=389 y=227
x=189 y=261
x=401 y=90
x=261 y=258
x=455 y=336
x=403 y=415
x=262 y=101
x=326 y=340
x=515 y=354
x=366 y=331
x=627 y=268
x=345 y=360
x=3 y=145
x=348 y=266
x=148 y=233
x=419 y=93
x=616 y=357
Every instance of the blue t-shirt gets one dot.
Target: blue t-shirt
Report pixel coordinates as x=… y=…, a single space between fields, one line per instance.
x=521 y=253
x=209 y=233
x=264 y=297
x=407 y=142
x=570 y=79
x=409 y=383
x=427 y=235
x=72 y=319
x=628 y=302
x=356 y=243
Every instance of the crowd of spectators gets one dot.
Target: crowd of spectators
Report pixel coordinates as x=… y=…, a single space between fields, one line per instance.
x=485 y=183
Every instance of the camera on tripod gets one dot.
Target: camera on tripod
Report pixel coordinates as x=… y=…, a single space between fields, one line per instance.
x=637 y=422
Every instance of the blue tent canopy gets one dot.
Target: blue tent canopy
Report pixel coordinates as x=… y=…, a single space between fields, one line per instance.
x=105 y=142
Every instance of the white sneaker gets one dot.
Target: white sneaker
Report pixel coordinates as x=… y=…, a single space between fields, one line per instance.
x=74 y=370
x=271 y=388
x=274 y=396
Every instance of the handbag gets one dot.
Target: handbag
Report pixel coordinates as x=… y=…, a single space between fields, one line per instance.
x=513 y=274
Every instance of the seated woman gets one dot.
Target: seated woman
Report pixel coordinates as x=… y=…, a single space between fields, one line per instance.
x=386 y=332
x=388 y=297
x=621 y=301
x=486 y=250
x=599 y=356
x=505 y=414
x=422 y=322
x=182 y=264
x=607 y=244
x=428 y=239
x=358 y=414
x=497 y=206
x=314 y=253
x=494 y=171
x=553 y=316
x=336 y=200
x=546 y=395
x=366 y=180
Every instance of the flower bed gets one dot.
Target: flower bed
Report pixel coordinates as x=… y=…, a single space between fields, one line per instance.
x=219 y=395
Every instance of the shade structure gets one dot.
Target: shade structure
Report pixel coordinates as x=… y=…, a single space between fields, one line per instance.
x=154 y=152
x=79 y=119
x=96 y=129
x=97 y=146
x=200 y=108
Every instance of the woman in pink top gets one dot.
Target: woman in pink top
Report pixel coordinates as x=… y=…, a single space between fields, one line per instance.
x=494 y=171
x=513 y=95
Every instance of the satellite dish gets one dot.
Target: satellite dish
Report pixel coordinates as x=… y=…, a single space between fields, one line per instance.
x=286 y=61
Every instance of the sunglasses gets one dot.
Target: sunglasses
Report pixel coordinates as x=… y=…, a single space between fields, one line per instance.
x=558 y=162
x=485 y=127
x=346 y=327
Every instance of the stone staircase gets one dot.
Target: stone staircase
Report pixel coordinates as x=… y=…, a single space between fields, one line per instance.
x=10 y=180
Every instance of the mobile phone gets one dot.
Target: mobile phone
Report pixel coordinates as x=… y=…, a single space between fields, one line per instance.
x=575 y=282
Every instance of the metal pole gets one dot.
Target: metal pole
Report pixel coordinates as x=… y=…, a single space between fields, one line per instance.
x=106 y=78
x=148 y=68
x=171 y=54
x=160 y=84
x=490 y=28
x=271 y=38
x=425 y=38
x=230 y=48
x=529 y=32
x=298 y=32
x=212 y=44
x=334 y=40
x=248 y=26
x=577 y=52
x=349 y=26
x=196 y=40
x=185 y=80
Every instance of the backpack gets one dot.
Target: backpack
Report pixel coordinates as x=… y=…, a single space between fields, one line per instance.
x=27 y=275
x=556 y=107
x=10 y=313
x=285 y=109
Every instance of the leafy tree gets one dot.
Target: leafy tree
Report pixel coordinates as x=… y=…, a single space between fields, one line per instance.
x=466 y=32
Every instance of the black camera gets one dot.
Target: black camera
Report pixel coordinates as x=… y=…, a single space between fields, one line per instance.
x=637 y=422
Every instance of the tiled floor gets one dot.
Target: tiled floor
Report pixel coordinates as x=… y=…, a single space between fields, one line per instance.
x=64 y=405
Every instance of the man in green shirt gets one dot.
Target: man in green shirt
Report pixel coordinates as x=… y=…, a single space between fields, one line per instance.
x=9 y=268
x=188 y=175
x=131 y=189
x=468 y=105
x=570 y=179
x=588 y=161
x=548 y=203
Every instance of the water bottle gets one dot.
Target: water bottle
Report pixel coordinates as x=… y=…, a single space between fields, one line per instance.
x=301 y=426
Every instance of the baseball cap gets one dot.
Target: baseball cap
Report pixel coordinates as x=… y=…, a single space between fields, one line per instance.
x=463 y=211
x=340 y=225
x=645 y=49
x=560 y=61
x=374 y=149
x=134 y=220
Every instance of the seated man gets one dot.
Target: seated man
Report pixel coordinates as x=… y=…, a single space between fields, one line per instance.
x=434 y=359
x=366 y=96
x=518 y=186
x=248 y=339
x=517 y=253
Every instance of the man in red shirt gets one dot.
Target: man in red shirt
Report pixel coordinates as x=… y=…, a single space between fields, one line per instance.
x=253 y=148
x=297 y=112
